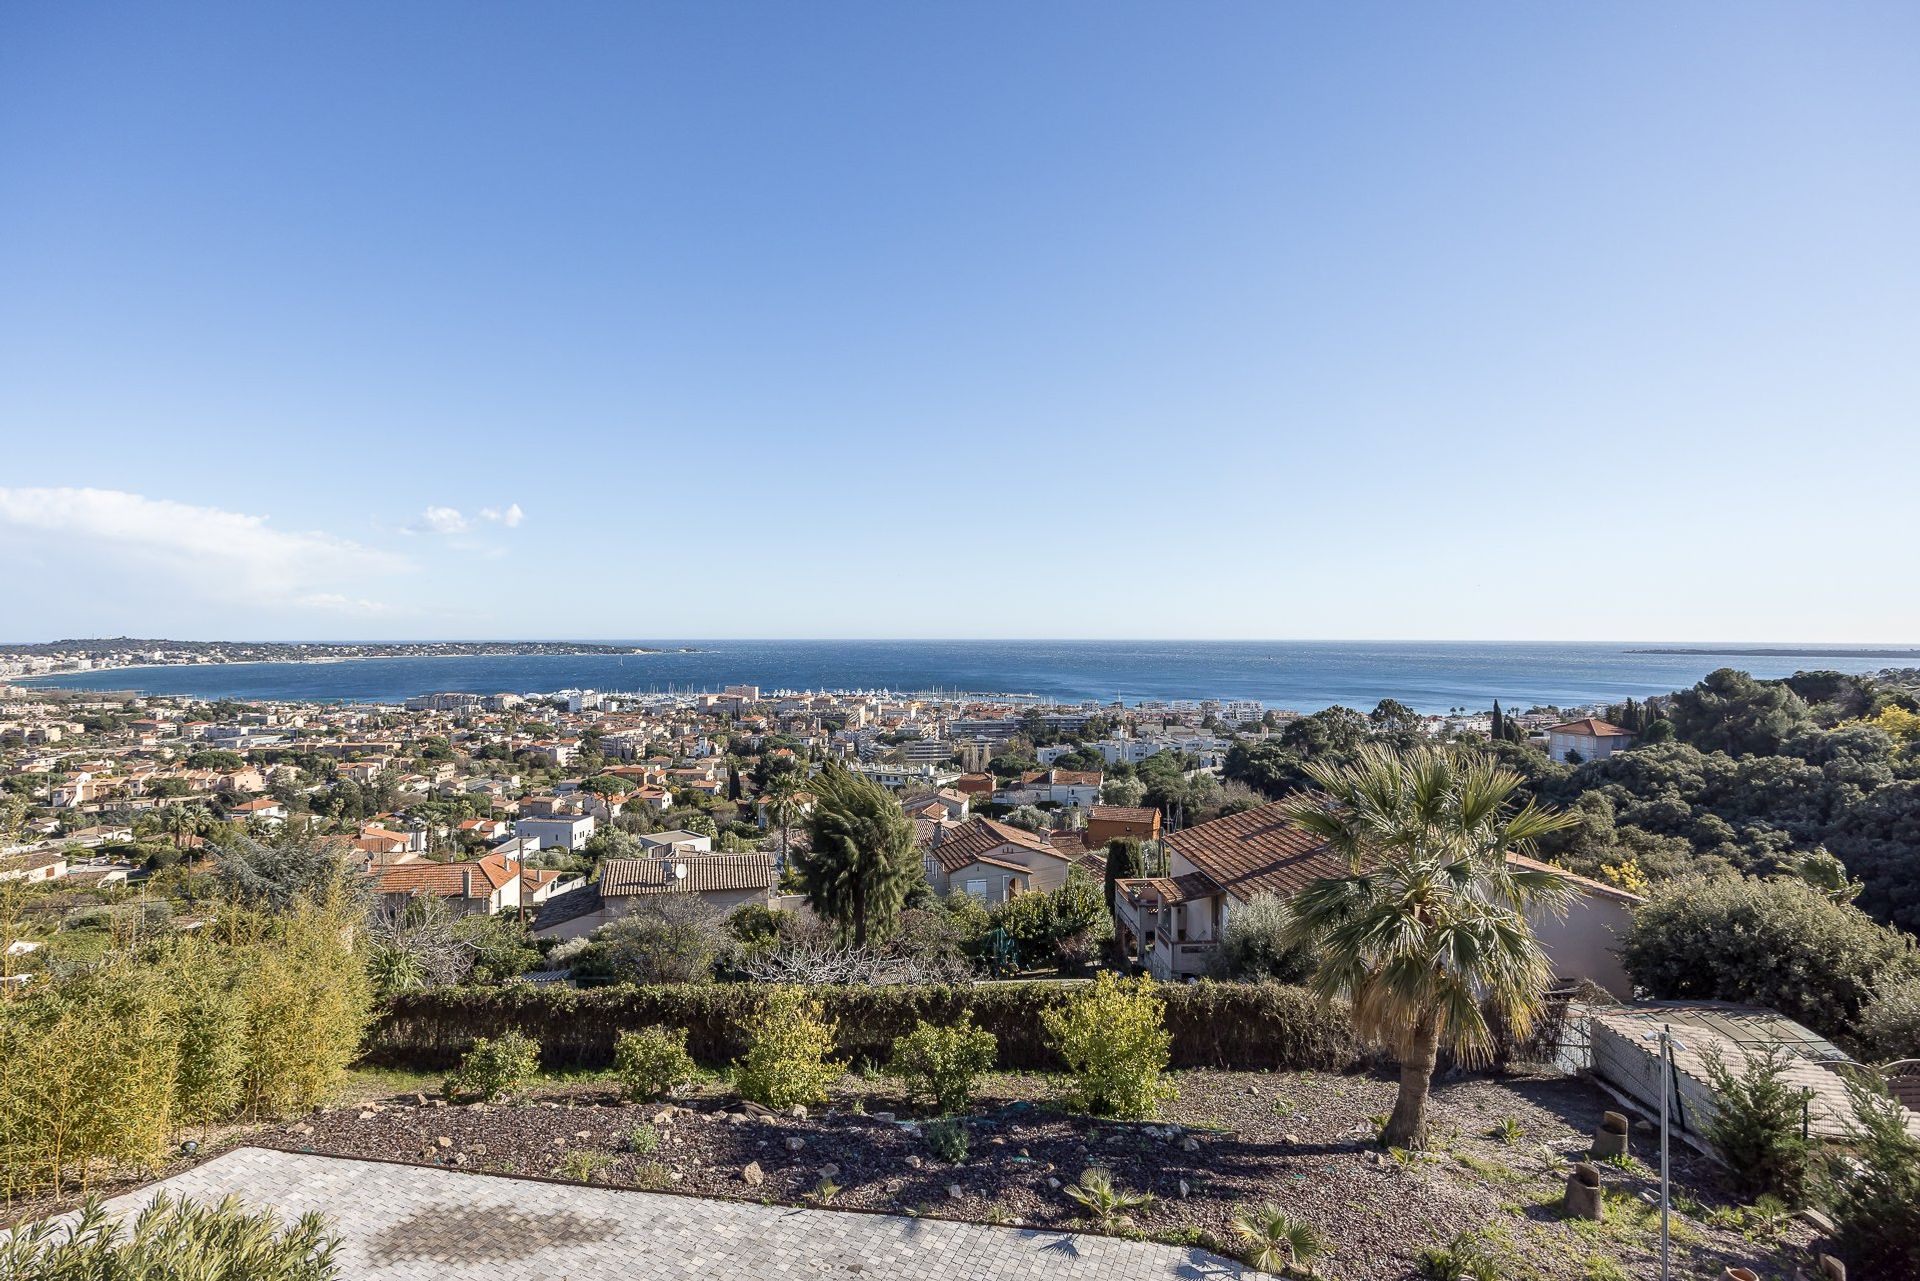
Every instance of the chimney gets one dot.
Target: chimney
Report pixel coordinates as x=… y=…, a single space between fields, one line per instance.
x=466 y=882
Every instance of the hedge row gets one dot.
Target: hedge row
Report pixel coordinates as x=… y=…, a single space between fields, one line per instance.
x=1218 y=1025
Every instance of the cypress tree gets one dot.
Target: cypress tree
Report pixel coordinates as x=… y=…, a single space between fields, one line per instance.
x=1499 y=730
x=1123 y=861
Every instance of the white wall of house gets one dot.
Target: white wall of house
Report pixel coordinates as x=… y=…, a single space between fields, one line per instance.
x=1585 y=943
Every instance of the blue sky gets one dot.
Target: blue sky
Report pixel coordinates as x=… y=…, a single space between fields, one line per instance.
x=1217 y=320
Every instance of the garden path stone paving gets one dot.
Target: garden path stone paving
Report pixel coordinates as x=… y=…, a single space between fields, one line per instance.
x=411 y=1223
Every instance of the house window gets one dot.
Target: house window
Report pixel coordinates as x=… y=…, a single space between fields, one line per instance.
x=978 y=889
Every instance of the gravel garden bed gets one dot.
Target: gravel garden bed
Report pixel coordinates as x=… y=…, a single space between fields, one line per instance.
x=1301 y=1140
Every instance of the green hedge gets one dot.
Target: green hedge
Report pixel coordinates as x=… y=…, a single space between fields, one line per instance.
x=1220 y=1025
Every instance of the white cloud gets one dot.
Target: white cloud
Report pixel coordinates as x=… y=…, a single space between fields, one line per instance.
x=207 y=551
x=451 y=520
x=442 y=520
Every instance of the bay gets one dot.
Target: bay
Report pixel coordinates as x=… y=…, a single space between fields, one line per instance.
x=1429 y=676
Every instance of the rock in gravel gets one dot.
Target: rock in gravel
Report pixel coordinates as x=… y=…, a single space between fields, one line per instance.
x=1190 y=1145
x=829 y=1170
x=795 y=1143
x=559 y=1142
x=303 y=1128
x=1184 y=1189
x=664 y=1116
x=478 y=1149
x=798 y=1111
x=419 y=1100
x=442 y=1141
x=753 y=1174
x=882 y=1116
x=460 y=1158
x=583 y=1134
x=913 y=1161
x=1053 y=1183
x=955 y=1191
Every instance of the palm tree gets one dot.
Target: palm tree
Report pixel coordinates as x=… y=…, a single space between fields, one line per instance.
x=860 y=862
x=1276 y=1241
x=783 y=797
x=1427 y=933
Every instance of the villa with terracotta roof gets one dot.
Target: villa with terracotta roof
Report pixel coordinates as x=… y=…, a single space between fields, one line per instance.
x=1592 y=739
x=721 y=882
x=1172 y=924
x=994 y=861
x=479 y=888
x=1113 y=822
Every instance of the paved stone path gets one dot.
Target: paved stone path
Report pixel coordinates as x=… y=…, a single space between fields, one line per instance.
x=411 y=1223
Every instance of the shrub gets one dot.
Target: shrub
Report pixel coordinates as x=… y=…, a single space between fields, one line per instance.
x=1113 y=1036
x=788 y=1040
x=652 y=1062
x=948 y=1140
x=1889 y=1026
x=580 y=1165
x=1254 y=946
x=1779 y=943
x=643 y=1139
x=940 y=1063
x=1262 y=1026
x=672 y=941
x=1756 y=1125
x=173 y=1238
x=495 y=1068
x=258 y=1015
x=1876 y=1205
x=306 y=999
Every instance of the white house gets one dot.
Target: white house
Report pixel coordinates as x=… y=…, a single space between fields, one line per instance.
x=1592 y=739
x=569 y=831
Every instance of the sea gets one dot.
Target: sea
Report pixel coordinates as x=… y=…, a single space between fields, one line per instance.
x=1305 y=676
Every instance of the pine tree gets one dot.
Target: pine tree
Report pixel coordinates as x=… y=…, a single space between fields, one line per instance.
x=1499 y=729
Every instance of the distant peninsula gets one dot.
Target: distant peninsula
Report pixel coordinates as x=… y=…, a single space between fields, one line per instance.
x=116 y=651
x=1793 y=651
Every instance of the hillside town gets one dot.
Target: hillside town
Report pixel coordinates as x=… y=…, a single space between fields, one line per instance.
x=597 y=843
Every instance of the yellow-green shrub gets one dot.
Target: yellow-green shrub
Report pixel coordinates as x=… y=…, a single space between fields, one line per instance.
x=788 y=1040
x=650 y=1063
x=1112 y=1034
x=495 y=1067
x=940 y=1063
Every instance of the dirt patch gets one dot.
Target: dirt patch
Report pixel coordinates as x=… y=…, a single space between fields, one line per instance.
x=1304 y=1141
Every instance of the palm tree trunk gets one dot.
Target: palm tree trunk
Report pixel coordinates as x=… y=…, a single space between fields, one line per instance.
x=1407 y=1126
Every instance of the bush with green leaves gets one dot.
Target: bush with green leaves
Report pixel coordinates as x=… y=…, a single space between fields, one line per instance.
x=948 y=1139
x=1112 y=1034
x=940 y=1064
x=1778 y=943
x=495 y=1067
x=1237 y=1026
x=1756 y=1125
x=1875 y=1201
x=1889 y=1026
x=652 y=1063
x=173 y=1238
x=1255 y=946
x=788 y=1041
